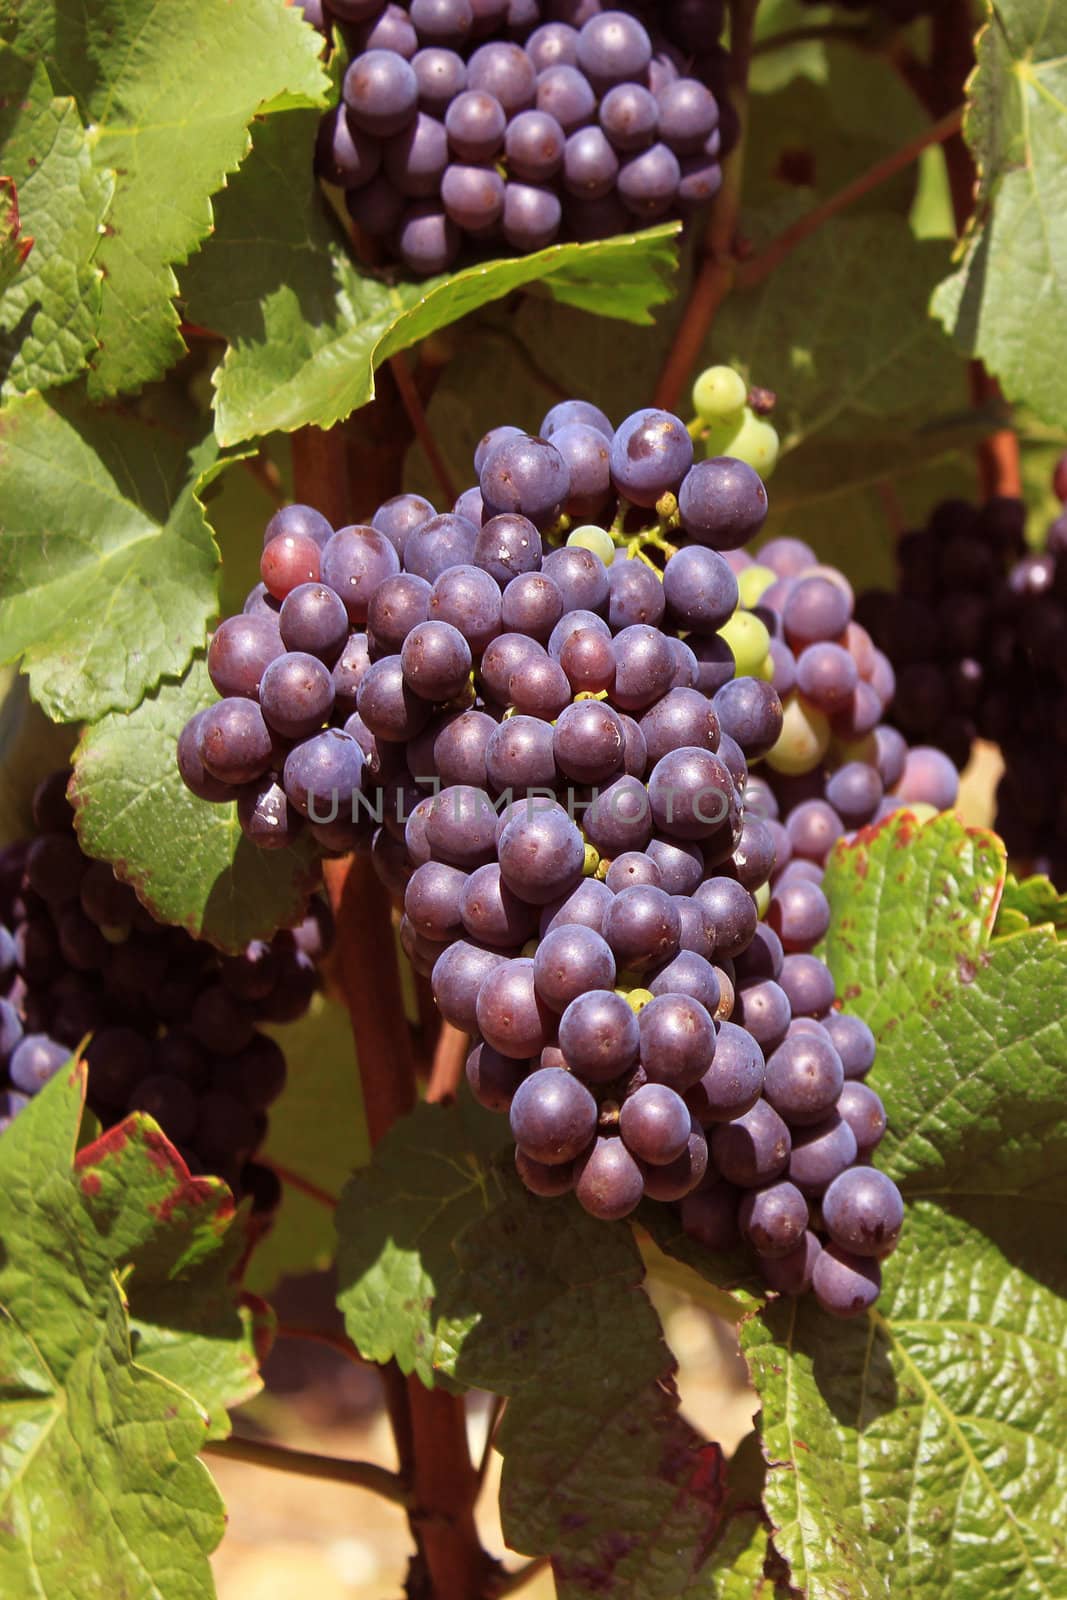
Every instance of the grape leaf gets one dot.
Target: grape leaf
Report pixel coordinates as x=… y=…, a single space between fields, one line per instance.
x=920 y=1451
x=307 y=328
x=448 y=1265
x=305 y=1147
x=119 y=593
x=1028 y=903
x=48 y=310
x=916 y=1450
x=150 y=79
x=101 y=1488
x=972 y=1043
x=1011 y=287
x=188 y=861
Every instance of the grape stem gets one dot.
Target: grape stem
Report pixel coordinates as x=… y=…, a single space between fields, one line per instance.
x=411 y=400
x=754 y=271
x=429 y=1425
x=304 y=1185
x=449 y=1060
x=817 y=33
x=307 y=1464
x=330 y=1341
x=512 y=1582
x=716 y=272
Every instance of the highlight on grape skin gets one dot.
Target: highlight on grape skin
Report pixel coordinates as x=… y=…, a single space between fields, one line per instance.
x=599 y=755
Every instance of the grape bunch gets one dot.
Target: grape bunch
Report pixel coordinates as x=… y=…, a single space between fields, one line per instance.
x=490 y=125
x=974 y=633
x=537 y=712
x=172 y=1023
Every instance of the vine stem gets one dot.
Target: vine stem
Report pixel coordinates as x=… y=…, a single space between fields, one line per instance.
x=512 y=1582
x=761 y=266
x=716 y=272
x=322 y=1197
x=429 y=1425
x=449 y=1059
x=330 y=1341
x=411 y=400
x=307 y=1464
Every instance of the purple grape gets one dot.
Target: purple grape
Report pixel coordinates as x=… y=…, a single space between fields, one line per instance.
x=491 y=913
x=612 y=47
x=608 y=1181
x=863 y=1212
x=845 y=1285
x=564 y=94
x=599 y=1036
x=539 y=688
x=680 y=865
x=473 y=197
x=234 y=742
x=629 y=116
x=570 y=961
x=853 y=1041
x=678 y=1041
x=507 y=654
x=397 y=605
x=432 y=899
x=774 y=1219
x=566 y=413
x=532 y=217
x=441 y=75
x=820 y=1153
x=322 y=776
x=511 y=1016
x=587 y=904
x=692 y=974
x=753 y=1149
x=548 y=1182
x=527 y=476
x=699 y=589
x=631 y=870
x=590 y=165
x=684 y=718
x=619 y=818
x=296 y=695
x=816 y=609
x=648 y=182
x=709 y=1216
x=381 y=92
x=531 y=604
x=687 y=115
x=519 y=756
x=457 y=978
x=427 y=239
x=441 y=542
x=799 y=912
x=506 y=72
x=642 y=927
x=644 y=667
x=809 y=984
x=386 y=704
x=461 y=827
x=651 y=454
x=804 y=1079
x=581 y=578
x=542 y=856
x=636 y=594
x=266 y=816
x=355 y=561
x=533 y=146
x=436 y=660
x=376 y=208
x=553 y=1116
x=553 y=44
x=415 y=160
x=655 y=1124
x=313 y=620
x=722 y=503
x=399 y=517
x=750 y=712
x=441 y=20
x=692 y=794
x=493 y=1078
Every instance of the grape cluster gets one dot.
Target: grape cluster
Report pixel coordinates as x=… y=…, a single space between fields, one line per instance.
x=173 y=1023
x=975 y=635
x=508 y=124
x=538 y=711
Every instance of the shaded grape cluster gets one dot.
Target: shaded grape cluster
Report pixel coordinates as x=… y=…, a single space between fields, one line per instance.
x=482 y=127
x=975 y=635
x=173 y=1023
x=538 y=712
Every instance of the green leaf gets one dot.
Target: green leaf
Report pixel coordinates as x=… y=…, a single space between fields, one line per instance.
x=188 y=860
x=1011 y=287
x=304 y=1146
x=48 y=311
x=972 y=1040
x=1028 y=904
x=307 y=328
x=915 y=1451
x=119 y=593
x=920 y=1451
x=101 y=1491
x=448 y=1265
x=150 y=80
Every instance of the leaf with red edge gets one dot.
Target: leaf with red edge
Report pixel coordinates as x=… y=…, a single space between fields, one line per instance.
x=101 y=1421
x=15 y=245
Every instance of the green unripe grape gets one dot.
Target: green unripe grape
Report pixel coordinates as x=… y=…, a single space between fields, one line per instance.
x=638 y=999
x=753 y=583
x=756 y=442
x=803 y=741
x=749 y=640
x=762 y=897
x=765 y=670
x=598 y=540
x=592 y=861
x=719 y=392
x=921 y=810
x=530 y=948
x=720 y=437
x=865 y=750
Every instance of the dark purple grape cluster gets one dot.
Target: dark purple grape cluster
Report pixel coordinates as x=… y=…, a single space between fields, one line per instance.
x=532 y=710
x=490 y=126
x=975 y=635
x=172 y=1023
